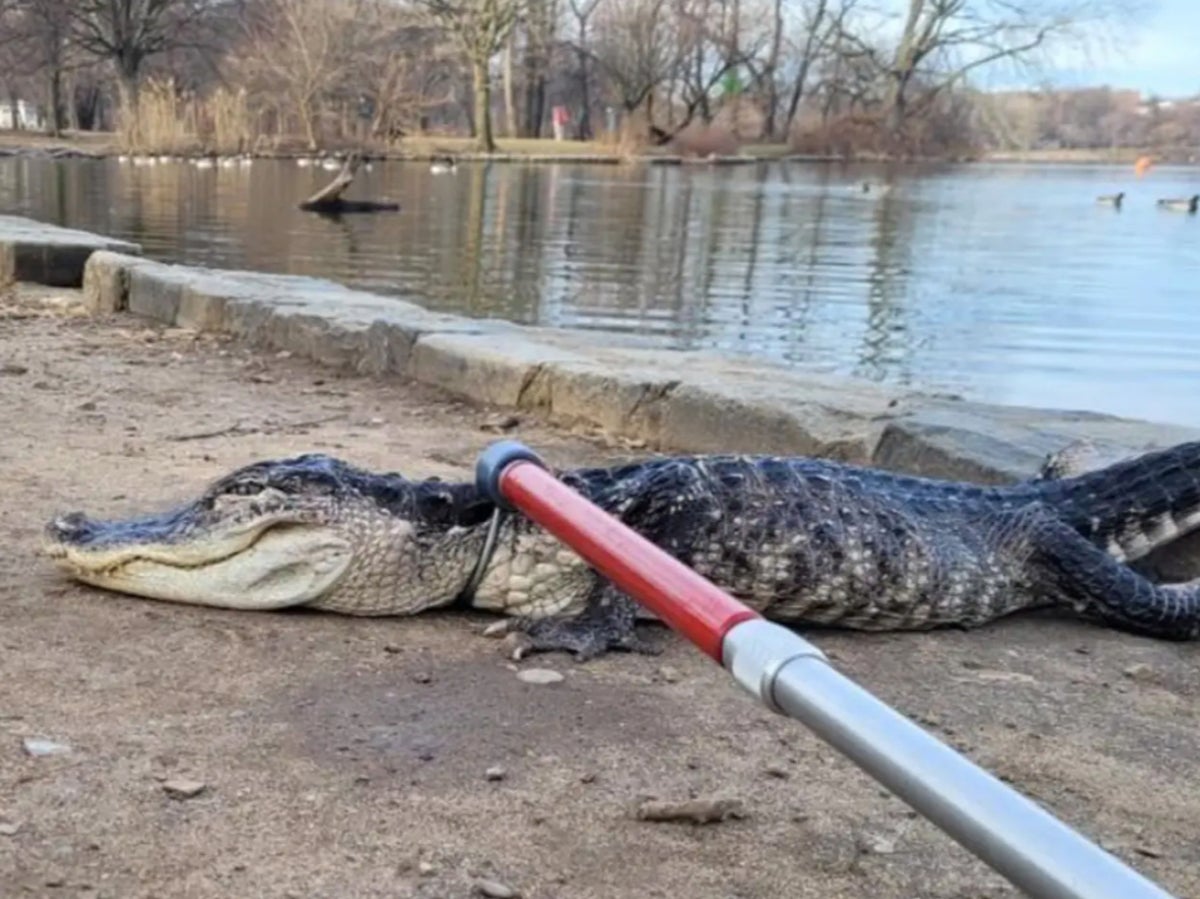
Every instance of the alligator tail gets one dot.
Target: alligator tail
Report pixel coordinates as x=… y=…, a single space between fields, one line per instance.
x=1131 y=508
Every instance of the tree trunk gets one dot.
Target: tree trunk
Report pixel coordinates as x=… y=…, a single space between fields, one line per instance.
x=308 y=117
x=484 y=141
x=585 y=100
x=772 y=68
x=15 y=108
x=510 y=100
x=797 y=93
x=55 y=122
x=898 y=108
x=535 y=85
x=535 y=105
x=71 y=104
x=810 y=47
x=902 y=67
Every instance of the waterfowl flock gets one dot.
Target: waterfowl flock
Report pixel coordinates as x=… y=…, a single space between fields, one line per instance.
x=201 y=162
x=1190 y=205
x=243 y=160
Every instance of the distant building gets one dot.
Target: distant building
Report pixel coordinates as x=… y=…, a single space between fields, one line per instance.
x=27 y=116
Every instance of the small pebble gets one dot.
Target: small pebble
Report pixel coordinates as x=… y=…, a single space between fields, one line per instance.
x=391 y=647
x=183 y=788
x=669 y=674
x=696 y=811
x=423 y=677
x=494 y=889
x=500 y=423
x=877 y=843
x=426 y=869
x=778 y=771
x=1140 y=672
x=37 y=746
x=10 y=368
x=539 y=676
x=8 y=829
x=496 y=772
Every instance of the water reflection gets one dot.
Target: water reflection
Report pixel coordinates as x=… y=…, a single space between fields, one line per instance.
x=1006 y=284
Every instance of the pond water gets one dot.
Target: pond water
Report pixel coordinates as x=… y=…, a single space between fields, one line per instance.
x=1002 y=283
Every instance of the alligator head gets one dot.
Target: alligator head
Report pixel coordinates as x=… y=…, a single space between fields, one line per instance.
x=310 y=530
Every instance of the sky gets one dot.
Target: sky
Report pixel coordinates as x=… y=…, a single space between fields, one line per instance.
x=1162 y=56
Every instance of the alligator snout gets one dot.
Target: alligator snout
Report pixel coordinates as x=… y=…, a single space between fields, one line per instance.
x=74 y=527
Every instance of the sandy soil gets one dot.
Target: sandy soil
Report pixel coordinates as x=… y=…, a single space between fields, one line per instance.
x=348 y=758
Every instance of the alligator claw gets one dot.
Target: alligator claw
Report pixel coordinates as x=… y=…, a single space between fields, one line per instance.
x=498 y=628
x=607 y=623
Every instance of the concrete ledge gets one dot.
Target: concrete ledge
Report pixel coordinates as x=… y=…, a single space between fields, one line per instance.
x=669 y=400
x=48 y=254
x=997 y=444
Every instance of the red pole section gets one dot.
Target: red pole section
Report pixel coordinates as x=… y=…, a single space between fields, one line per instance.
x=679 y=596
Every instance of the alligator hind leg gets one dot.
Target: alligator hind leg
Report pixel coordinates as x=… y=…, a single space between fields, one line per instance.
x=1070 y=569
x=607 y=622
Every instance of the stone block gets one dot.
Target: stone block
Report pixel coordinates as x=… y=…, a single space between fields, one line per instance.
x=106 y=281
x=1000 y=444
x=155 y=292
x=494 y=367
x=620 y=398
x=47 y=254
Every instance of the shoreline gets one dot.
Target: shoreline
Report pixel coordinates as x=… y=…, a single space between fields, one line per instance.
x=669 y=400
x=546 y=150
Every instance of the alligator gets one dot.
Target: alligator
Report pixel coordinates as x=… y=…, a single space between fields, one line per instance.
x=805 y=541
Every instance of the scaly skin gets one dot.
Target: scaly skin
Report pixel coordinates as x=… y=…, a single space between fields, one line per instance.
x=804 y=541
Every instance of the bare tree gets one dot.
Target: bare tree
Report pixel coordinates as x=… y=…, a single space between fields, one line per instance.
x=943 y=41
x=766 y=75
x=480 y=28
x=636 y=48
x=539 y=25
x=402 y=64
x=582 y=11
x=43 y=30
x=298 y=49
x=130 y=32
x=714 y=43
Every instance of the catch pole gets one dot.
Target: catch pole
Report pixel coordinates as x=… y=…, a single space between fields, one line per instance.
x=1035 y=851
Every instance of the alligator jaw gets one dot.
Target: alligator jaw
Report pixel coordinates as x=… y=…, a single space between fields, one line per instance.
x=269 y=566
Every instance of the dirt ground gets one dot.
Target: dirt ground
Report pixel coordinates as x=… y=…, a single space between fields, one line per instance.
x=348 y=758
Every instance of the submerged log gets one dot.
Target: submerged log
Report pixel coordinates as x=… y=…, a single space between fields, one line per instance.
x=328 y=200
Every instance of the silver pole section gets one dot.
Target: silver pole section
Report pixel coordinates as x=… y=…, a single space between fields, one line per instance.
x=1034 y=850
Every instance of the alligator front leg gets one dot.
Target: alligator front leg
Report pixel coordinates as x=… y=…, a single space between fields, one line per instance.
x=609 y=621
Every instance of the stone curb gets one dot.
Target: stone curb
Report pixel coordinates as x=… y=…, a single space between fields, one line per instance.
x=48 y=254
x=670 y=400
